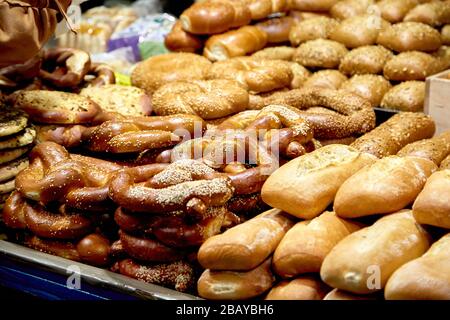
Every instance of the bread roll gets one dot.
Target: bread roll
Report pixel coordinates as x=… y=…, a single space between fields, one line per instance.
x=233 y=285
x=277 y=29
x=215 y=16
x=152 y=73
x=311 y=29
x=388 y=185
x=432 y=206
x=300 y=75
x=434 y=149
x=305 y=186
x=445 y=164
x=300 y=16
x=303 y=288
x=320 y=53
x=409 y=36
x=425 y=278
x=366 y=59
x=368 y=86
x=307 y=243
x=235 y=43
x=275 y=53
x=337 y=294
x=445 y=35
x=245 y=246
x=412 y=65
x=331 y=79
x=363 y=261
x=312 y=5
x=179 y=40
x=406 y=96
x=392 y=135
x=434 y=13
x=395 y=10
x=350 y=8
x=359 y=31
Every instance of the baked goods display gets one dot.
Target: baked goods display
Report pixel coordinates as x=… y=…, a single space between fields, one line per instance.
x=248 y=163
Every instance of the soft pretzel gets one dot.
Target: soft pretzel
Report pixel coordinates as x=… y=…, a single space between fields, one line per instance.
x=178 y=275
x=152 y=73
x=350 y=8
x=409 y=36
x=257 y=75
x=215 y=16
x=434 y=13
x=102 y=74
x=181 y=41
x=368 y=86
x=355 y=116
x=65 y=67
x=320 y=53
x=209 y=99
x=311 y=29
x=366 y=59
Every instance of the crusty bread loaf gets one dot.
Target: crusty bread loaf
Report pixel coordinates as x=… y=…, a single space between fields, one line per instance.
x=395 y=10
x=320 y=53
x=368 y=86
x=311 y=29
x=406 y=96
x=359 y=31
x=126 y=100
x=235 y=43
x=275 y=53
x=366 y=59
x=425 y=278
x=412 y=65
x=330 y=79
x=434 y=149
x=435 y=13
x=363 y=261
x=305 y=186
x=179 y=40
x=215 y=16
x=245 y=246
x=386 y=186
x=260 y=9
x=277 y=29
x=409 y=36
x=234 y=285
x=307 y=243
x=56 y=106
x=302 y=288
x=337 y=294
x=392 y=135
x=350 y=8
x=300 y=16
x=432 y=205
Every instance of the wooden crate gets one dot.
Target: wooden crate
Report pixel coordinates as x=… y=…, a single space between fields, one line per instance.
x=437 y=100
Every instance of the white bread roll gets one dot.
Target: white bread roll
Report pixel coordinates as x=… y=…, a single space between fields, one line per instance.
x=363 y=261
x=305 y=186
x=232 y=285
x=425 y=278
x=386 y=186
x=306 y=244
x=303 y=288
x=246 y=245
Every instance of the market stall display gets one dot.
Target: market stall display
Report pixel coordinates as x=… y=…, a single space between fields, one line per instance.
x=249 y=162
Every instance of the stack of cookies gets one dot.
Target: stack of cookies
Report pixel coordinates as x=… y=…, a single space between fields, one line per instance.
x=16 y=139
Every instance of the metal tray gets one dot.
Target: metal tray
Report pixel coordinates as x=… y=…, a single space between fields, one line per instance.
x=45 y=276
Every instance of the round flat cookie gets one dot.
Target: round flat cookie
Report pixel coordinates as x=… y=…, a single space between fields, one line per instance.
x=12 y=154
x=11 y=169
x=11 y=120
x=20 y=139
x=7 y=187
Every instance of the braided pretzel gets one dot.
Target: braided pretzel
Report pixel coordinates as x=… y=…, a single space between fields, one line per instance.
x=134 y=135
x=65 y=67
x=178 y=275
x=356 y=115
x=55 y=176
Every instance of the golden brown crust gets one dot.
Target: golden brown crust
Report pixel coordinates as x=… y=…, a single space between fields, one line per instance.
x=445 y=34
x=312 y=5
x=409 y=36
x=349 y=8
x=368 y=86
x=366 y=59
x=330 y=79
x=359 y=31
x=300 y=75
x=209 y=99
x=277 y=29
x=392 y=135
x=395 y=10
x=311 y=29
x=434 y=149
x=445 y=164
x=302 y=288
x=179 y=40
x=433 y=13
x=156 y=71
x=406 y=96
x=320 y=53
x=275 y=53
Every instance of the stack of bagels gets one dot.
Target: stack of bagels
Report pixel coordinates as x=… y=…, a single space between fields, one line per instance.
x=380 y=50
